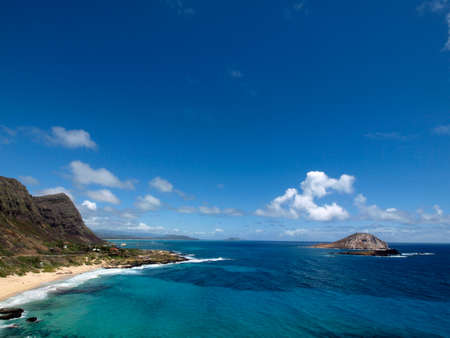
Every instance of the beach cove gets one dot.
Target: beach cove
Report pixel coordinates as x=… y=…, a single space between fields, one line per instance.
x=245 y=288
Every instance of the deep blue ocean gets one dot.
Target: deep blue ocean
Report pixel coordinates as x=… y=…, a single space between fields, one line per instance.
x=250 y=289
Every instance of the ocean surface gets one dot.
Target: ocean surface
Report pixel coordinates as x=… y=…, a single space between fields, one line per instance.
x=249 y=289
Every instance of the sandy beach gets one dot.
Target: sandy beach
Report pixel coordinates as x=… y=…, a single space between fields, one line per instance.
x=13 y=285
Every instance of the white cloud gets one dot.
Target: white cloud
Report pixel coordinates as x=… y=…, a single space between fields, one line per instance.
x=7 y=135
x=441 y=7
x=56 y=190
x=442 y=130
x=235 y=73
x=28 y=180
x=164 y=185
x=186 y=210
x=259 y=230
x=232 y=212
x=147 y=203
x=161 y=184
x=298 y=6
x=103 y=195
x=76 y=138
x=209 y=210
x=180 y=8
x=144 y=227
x=447 y=44
x=387 y=136
x=129 y=215
x=316 y=185
x=295 y=232
x=434 y=6
x=90 y=205
x=438 y=217
x=84 y=174
x=375 y=213
x=219 y=230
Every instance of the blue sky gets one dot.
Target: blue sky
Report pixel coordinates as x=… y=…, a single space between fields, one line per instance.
x=289 y=120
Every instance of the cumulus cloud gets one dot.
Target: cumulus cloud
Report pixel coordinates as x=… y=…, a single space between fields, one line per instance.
x=76 y=138
x=186 y=210
x=83 y=174
x=161 y=184
x=164 y=185
x=442 y=130
x=438 y=217
x=434 y=6
x=316 y=185
x=236 y=73
x=298 y=6
x=144 y=227
x=56 y=190
x=103 y=195
x=148 y=203
x=441 y=7
x=89 y=205
x=180 y=7
x=210 y=210
x=28 y=180
x=295 y=232
x=7 y=135
x=386 y=136
x=375 y=213
x=59 y=136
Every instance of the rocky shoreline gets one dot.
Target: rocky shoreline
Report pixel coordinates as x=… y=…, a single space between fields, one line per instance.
x=151 y=257
x=381 y=253
x=145 y=257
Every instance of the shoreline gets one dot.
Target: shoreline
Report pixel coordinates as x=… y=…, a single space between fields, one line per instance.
x=14 y=285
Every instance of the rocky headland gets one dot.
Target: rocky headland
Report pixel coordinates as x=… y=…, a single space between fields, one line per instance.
x=45 y=233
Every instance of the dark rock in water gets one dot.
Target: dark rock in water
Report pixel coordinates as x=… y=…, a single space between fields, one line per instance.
x=10 y=313
x=357 y=241
x=387 y=252
x=32 y=319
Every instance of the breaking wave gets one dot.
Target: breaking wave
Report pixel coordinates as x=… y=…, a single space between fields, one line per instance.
x=43 y=292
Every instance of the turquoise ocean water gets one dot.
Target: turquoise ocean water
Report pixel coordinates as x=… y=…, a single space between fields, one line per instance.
x=249 y=289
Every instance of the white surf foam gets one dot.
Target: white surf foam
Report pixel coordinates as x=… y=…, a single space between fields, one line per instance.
x=418 y=254
x=43 y=292
x=192 y=259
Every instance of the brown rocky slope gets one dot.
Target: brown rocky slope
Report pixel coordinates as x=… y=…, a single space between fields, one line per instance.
x=357 y=241
x=37 y=225
x=361 y=244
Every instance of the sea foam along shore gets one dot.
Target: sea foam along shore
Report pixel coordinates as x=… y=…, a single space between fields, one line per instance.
x=11 y=286
x=17 y=290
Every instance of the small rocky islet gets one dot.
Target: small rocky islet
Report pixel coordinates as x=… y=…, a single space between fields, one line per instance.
x=360 y=244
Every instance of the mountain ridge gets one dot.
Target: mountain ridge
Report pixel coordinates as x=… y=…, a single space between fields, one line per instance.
x=38 y=224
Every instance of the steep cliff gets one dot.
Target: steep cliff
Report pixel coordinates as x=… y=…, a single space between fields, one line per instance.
x=59 y=212
x=30 y=225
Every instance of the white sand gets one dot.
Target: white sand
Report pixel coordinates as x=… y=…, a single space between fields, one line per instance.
x=13 y=285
